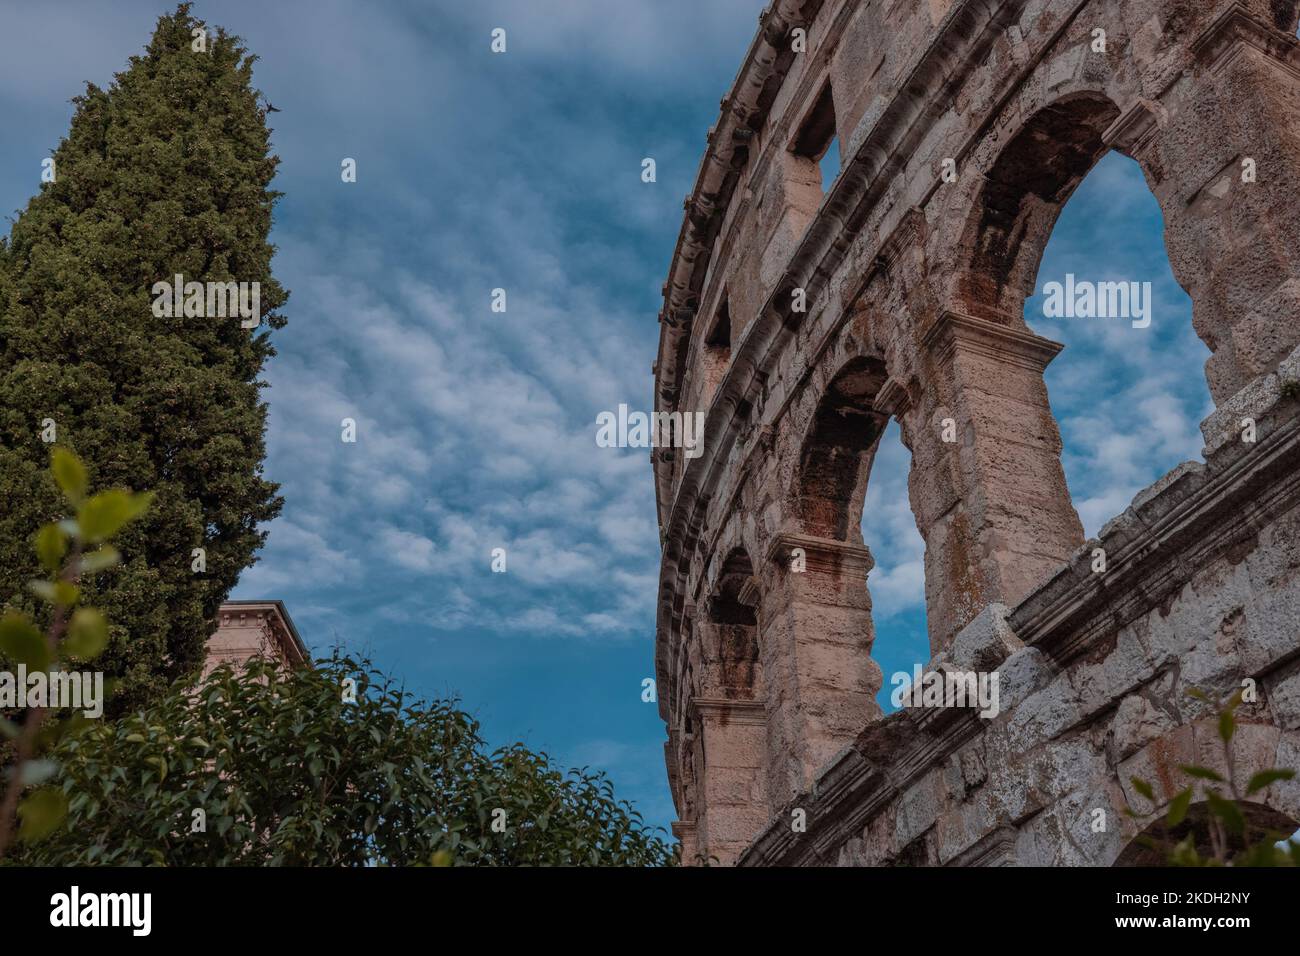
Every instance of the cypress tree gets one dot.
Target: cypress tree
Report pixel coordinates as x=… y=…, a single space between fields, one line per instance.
x=166 y=172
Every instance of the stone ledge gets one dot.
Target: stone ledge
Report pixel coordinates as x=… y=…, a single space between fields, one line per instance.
x=733 y=711
x=822 y=554
x=956 y=331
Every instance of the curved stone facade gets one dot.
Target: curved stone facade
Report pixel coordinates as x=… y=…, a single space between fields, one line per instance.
x=802 y=321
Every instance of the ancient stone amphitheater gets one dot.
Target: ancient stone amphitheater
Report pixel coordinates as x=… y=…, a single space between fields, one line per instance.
x=801 y=321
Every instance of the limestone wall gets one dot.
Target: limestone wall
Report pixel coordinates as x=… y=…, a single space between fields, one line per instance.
x=964 y=126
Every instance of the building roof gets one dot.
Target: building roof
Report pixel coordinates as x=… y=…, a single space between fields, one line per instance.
x=295 y=650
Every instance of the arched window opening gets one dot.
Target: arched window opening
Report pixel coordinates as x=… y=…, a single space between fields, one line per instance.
x=734 y=623
x=716 y=351
x=1066 y=245
x=1022 y=196
x=1128 y=391
x=853 y=487
x=898 y=578
x=1152 y=846
x=838 y=451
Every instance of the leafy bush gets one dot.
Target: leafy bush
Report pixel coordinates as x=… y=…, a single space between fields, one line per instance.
x=263 y=767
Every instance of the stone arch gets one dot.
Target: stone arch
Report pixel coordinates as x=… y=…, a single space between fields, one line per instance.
x=1260 y=818
x=835 y=460
x=1022 y=195
x=727 y=712
x=731 y=611
x=995 y=531
x=1256 y=746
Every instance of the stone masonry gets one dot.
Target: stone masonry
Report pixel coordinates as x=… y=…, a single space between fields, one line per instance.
x=801 y=322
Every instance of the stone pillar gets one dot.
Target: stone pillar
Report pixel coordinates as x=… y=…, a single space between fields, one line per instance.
x=816 y=653
x=732 y=790
x=992 y=502
x=1221 y=150
x=689 y=839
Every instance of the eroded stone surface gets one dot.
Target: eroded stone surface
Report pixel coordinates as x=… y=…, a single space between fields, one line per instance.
x=914 y=285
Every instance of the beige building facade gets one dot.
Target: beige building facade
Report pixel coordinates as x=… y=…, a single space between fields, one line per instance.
x=247 y=629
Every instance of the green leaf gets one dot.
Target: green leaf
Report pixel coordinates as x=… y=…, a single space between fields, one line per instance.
x=1200 y=773
x=41 y=814
x=21 y=641
x=1144 y=788
x=51 y=546
x=105 y=557
x=1184 y=854
x=1227 y=811
x=61 y=593
x=1178 y=808
x=87 y=634
x=1265 y=777
x=70 y=474
x=1227 y=726
x=109 y=511
x=104 y=514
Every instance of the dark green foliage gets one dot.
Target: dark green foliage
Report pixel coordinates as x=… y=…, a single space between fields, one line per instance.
x=289 y=773
x=166 y=172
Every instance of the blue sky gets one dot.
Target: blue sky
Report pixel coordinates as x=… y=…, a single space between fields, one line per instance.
x=476 y=429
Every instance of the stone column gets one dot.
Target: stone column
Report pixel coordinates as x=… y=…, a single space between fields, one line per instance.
x=733 y=806
x=688 y=837
x=986 y=482
x=1221 y=150
x=816 y=653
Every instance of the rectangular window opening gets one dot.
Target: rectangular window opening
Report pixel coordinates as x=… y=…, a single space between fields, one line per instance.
x=818 y=129
x=720 y=336
x=817 y=140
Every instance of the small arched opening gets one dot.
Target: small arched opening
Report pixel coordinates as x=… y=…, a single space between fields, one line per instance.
x=1155 y=846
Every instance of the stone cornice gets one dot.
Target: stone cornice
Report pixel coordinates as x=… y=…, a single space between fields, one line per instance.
x=1134 y=129
x=1235 y=30
x=751 y=712
x=955 y=332
x=1231 y=32
x=821 y=554
x=742 y=111
x=996 y=848
x=275 y=618
x=893 y=398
